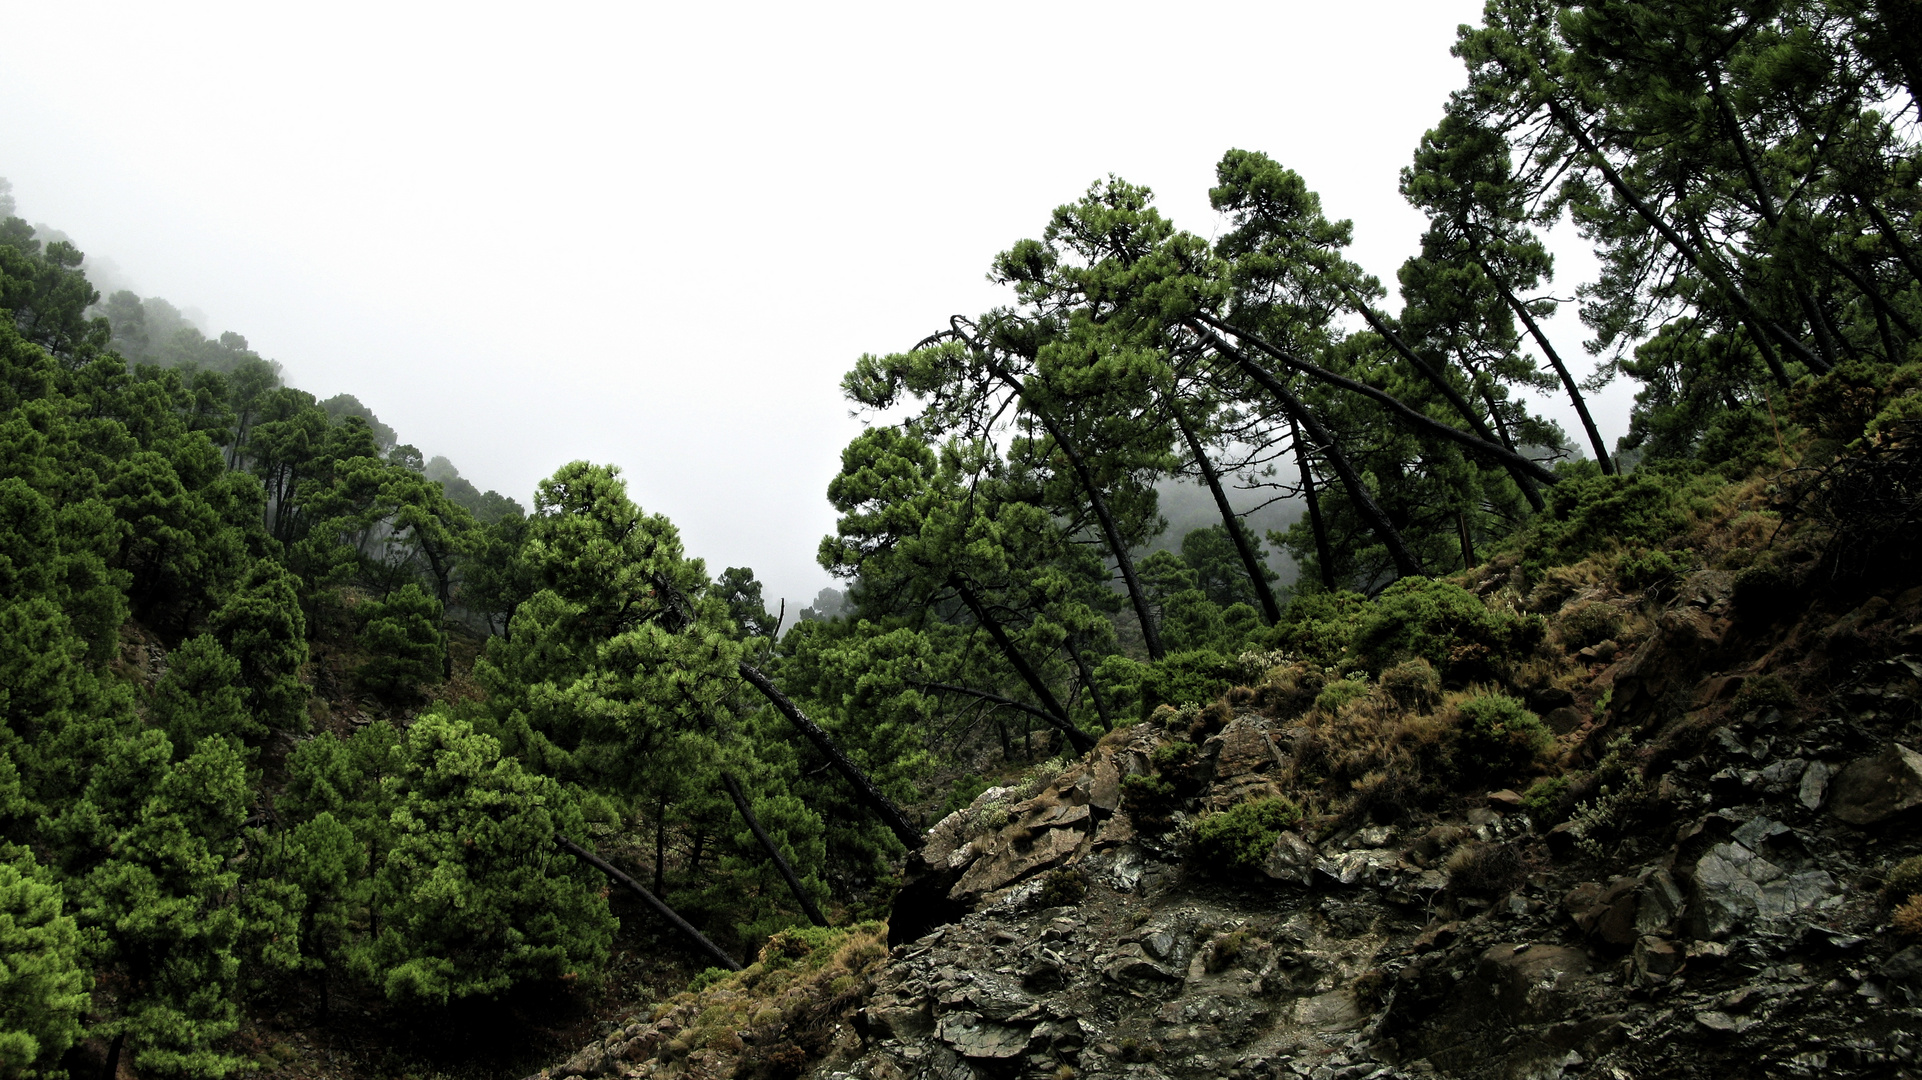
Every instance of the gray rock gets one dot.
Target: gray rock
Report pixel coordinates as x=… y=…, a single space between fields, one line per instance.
x=1368 y=866
x=1872 y=789
x=1815 y=784
x=1532 y=983
x=1131 y=964
x=1291 y=859
x=1905 y=966
x=1734 y=887
x=973 y=1036
x=1723 y=1022
x=592 y=1061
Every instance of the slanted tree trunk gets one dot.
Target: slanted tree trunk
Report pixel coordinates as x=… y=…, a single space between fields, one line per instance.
x=1696 y=256
x=1087 y=680
x=673 y=917
x=1257 y=573
x=1554 y=360
x=1406 y=565
x=1487 y=449
x=1462 y=407
x=1080 y=740
x=1110 y=530
x=874 y=797
x=112 y=1071
x=1324 y=552
x=1054 y=713
x=660 y=846
x=773 y=853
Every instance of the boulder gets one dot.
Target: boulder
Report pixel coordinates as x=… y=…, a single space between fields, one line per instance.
x=1243 y=749
x=1008 y=863
x=1291 y=859
x=1563 y=720
x=1657 y=957
x=1531 y=984
x=1104 y=790
x=1814 y=788
x=1733 y=886
x=1905 y=966
x=1628 y=908
x=976 y=1037
x=1873 y=789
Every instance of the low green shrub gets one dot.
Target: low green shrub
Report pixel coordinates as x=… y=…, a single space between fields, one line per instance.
x=1760 y=693
x=1319 y=625
x=1444 y=624
x=1640 y=571
x=1062 y=888
x=1184 y=678
x=1498 y=738
x=1413 y=685
x=1240 y=838
x=964 y=792
x=1543 y=799
x=1339 y=693
x=1149 y=800
x=1589 y=513
x=1905 y=879
x=1173 y=755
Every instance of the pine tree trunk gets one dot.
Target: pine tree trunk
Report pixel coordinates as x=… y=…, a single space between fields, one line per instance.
x=773 y=853
x=1257 y=573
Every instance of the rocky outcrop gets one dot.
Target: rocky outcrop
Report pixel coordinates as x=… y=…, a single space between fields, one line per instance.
x=1715 y=914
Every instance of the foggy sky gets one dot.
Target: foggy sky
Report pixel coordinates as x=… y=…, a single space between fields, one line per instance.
x=656 y=235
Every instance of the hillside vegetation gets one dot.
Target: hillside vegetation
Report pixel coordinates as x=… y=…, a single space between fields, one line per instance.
x=316 y=760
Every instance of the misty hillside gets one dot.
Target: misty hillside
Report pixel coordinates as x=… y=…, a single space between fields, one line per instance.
x=1232 y=667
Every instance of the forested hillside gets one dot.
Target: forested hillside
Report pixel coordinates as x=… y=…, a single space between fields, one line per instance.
x=311 y=746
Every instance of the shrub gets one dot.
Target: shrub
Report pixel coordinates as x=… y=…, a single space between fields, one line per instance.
x=1586 y=623
x=1413 y=685
x=402 y=637
x=1760 y=693
x=1651 y=569
x=1908 y=918
x=1290 y=689
x=1318 y=626
x=1543 y=799
x=1498 y=737
x=1839 y=406
x=1173 y=755
x=1443 y=623
x=1339 y=693
x=1241 y=838
x=1191 y=677
x=1765 y=592
x=1905 y=879
x=1485 y=870
x=1148 y=799
x=964 y=792
x=1589 y=513
x=1062 y=888
x=1225 y=948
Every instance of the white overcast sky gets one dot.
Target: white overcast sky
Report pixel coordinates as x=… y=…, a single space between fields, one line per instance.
x=656 y=235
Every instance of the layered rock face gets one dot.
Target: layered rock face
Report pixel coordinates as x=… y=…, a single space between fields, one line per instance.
x=1718 y=914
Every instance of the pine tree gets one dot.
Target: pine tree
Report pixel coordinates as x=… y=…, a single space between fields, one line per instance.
x=474 y=894
x=43 y=974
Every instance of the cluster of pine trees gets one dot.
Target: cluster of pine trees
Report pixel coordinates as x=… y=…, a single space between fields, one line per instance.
x=206 y=839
